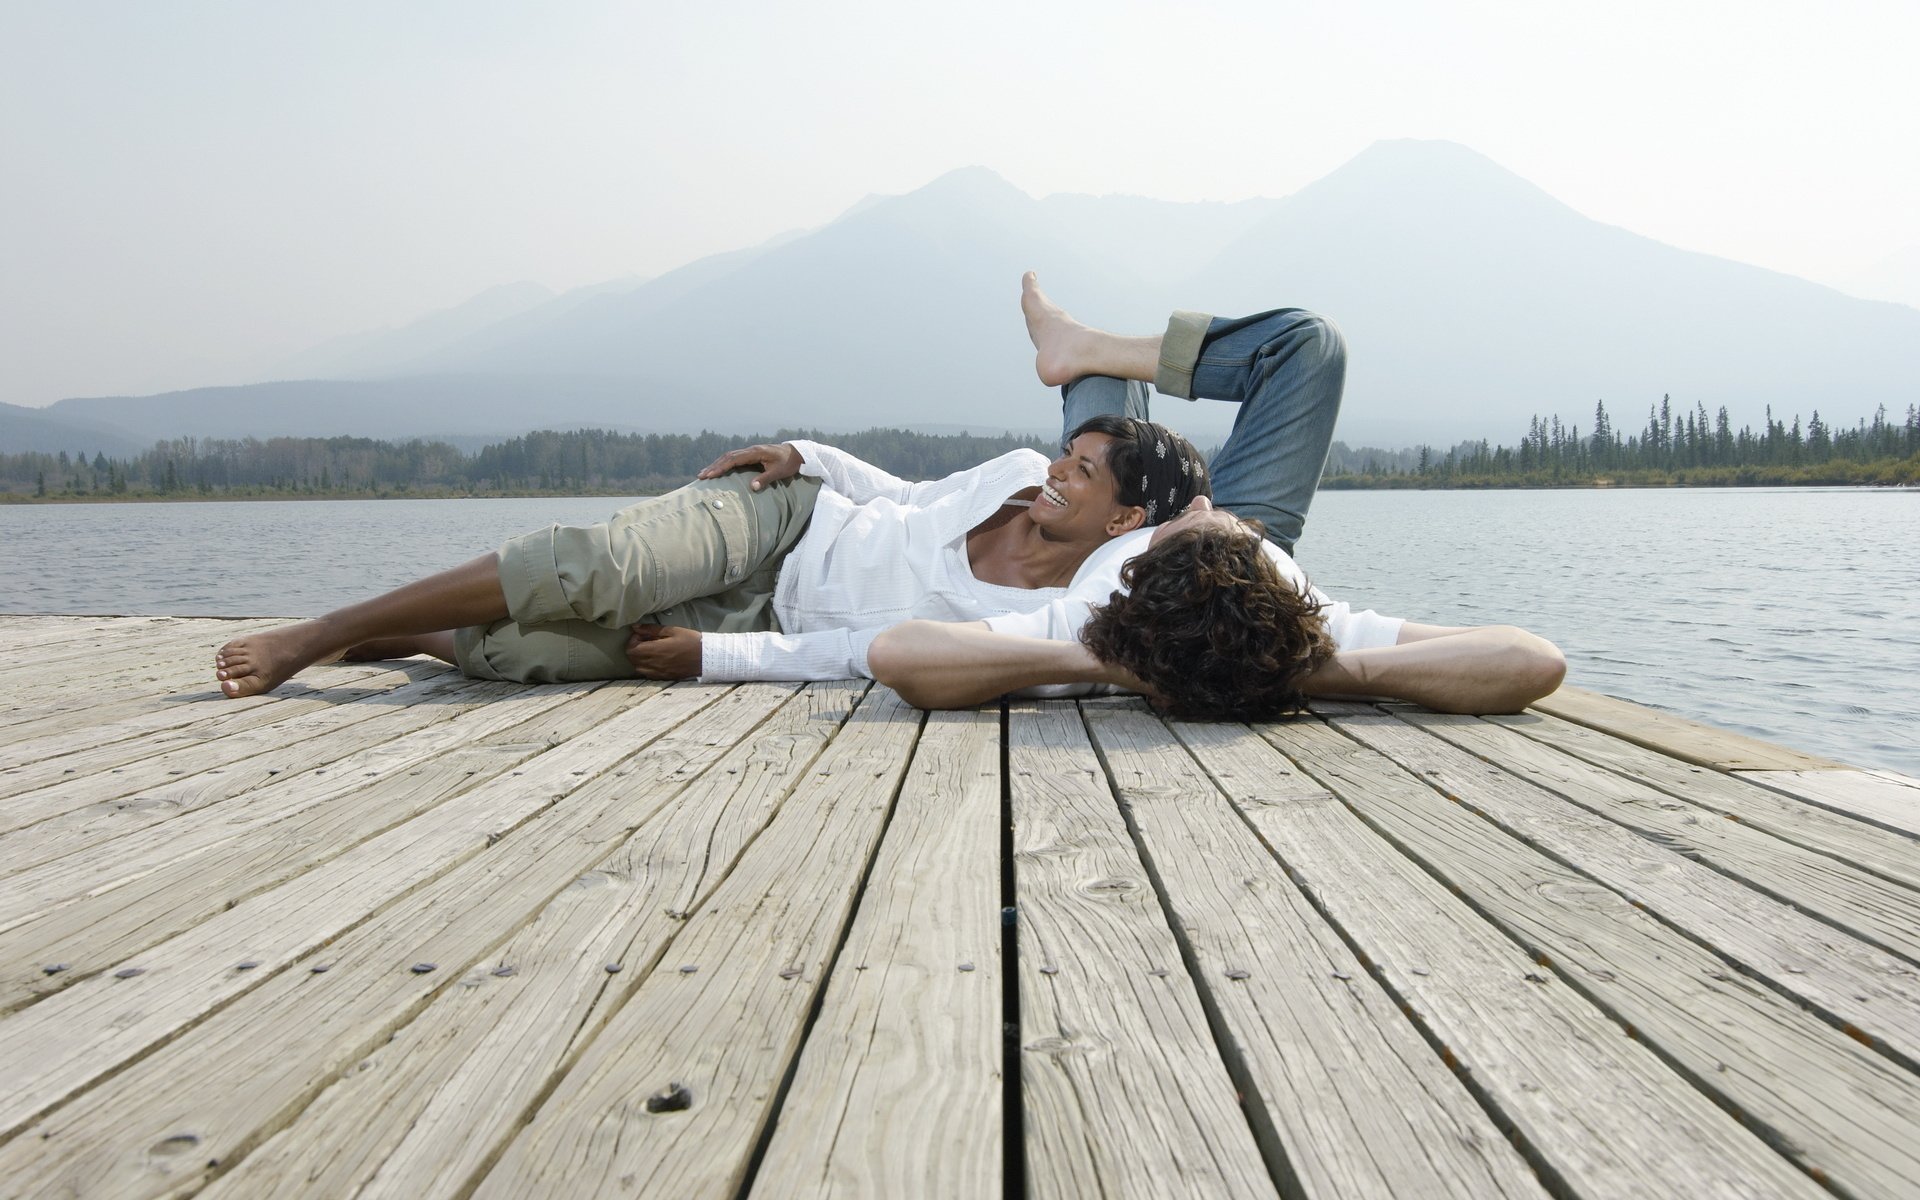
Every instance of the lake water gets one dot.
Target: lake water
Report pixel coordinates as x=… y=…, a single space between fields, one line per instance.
x=1791 y=614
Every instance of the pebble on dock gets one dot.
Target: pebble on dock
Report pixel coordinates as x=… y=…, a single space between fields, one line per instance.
x=613 y=968
x=54 y=968
x=321 y=968
x=421 y=968
x=1243 y=973
x=248 y=965
x=688 y=968
x=129 y=972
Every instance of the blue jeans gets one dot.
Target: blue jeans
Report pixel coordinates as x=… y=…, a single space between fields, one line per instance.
x=1286 y=369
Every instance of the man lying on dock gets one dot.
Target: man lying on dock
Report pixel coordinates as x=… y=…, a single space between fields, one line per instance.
x=954 y=591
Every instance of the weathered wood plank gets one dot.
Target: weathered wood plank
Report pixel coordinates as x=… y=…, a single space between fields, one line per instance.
x=104 y=844
x=61 y=1045
x=1125 y=1091
x=1689 y=741
x=898 y=1089
x=1892 y=856
x=1598 y=1112
x=109 y=926
x=101 y=743
x=1842 y=1111
x=727 y=1029
x=1341 y=1085
x=179 y=689
x=1851 y=982
x=28 y=633
x=1863 y=905
x=1870 y=796
x=423 y=1112
x=81 y=809
x=123 y=659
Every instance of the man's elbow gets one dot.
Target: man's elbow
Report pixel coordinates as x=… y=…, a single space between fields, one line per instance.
x=891 y=662
x=1536 y=668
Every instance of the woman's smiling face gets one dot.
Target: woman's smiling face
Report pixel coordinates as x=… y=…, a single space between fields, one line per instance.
x=1080 y=499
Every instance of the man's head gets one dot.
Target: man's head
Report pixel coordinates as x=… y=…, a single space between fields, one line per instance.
x=1210 y=624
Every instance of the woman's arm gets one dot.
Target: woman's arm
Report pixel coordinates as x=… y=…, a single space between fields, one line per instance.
x=1483 y=669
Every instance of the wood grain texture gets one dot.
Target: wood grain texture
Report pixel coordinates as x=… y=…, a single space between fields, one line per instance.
x=111 y=734
x=245 y=1070
x=1853 y=983
x=1676 y=736
x=727 y=1029
x=424 y=1112
x=81 y=858
x=57 y=1047
x=108 y=926
x=88 y=809
x=1596 y=1109
x=1868 y=795
x=1125 y=1091
x=1351 y=1098
x=898 y=1088
x=1842 y=1111
x=1863 y=905
x=1892 y=856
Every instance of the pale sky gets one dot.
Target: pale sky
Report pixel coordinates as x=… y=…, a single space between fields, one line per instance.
x=193 y=189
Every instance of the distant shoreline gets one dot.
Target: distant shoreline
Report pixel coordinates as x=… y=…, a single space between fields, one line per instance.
x=1332 y=485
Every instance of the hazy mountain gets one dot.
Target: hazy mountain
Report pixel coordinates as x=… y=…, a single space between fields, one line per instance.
x=35 y=429
x=1894 y=277
x=382 y=349
x=1471 y=300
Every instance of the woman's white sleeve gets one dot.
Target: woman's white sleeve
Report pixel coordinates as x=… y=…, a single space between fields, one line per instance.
x=826 y=654
x=857 y=480
x=861 y=481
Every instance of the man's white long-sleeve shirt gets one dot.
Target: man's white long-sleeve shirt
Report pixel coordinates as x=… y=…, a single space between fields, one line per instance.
x=1062 y=617
x=878 y=550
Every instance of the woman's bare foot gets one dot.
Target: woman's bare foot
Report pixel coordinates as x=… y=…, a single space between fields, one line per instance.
x=260 y=662
x=1062 y=343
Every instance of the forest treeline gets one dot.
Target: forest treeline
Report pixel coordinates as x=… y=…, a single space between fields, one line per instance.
x=1676 y=447
x=577 y=462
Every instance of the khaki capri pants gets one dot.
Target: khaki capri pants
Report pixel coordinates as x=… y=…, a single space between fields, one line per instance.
x=705 y=556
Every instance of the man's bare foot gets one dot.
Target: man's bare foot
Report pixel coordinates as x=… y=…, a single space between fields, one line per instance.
x=260 y=662
x=1060 y=341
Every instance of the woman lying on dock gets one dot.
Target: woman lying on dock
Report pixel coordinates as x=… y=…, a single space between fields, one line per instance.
x=820 y=566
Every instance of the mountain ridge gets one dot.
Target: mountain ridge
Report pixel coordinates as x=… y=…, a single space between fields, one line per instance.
x=1471 y=298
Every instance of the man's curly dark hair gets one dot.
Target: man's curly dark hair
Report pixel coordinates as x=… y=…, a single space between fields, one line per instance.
x=1210 y=624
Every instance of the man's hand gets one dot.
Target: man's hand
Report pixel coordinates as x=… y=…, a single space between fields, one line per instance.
x=664 y=652
x=776 y=462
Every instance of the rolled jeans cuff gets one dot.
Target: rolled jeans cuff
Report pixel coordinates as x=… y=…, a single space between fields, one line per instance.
x=1179 y=352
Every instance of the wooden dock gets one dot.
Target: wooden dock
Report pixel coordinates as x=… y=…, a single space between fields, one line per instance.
x=396 y=933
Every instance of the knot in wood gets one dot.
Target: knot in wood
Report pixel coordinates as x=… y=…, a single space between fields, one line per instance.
x=675 y=1097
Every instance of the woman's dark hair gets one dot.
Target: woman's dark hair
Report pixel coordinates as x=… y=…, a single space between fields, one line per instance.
x=1210 y=624
x=1153 y=467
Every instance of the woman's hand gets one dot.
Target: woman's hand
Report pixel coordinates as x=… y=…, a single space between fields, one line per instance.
x=776 y=462
x=664 y=652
